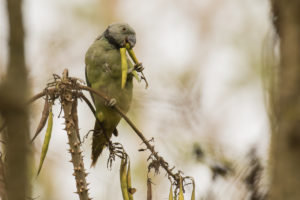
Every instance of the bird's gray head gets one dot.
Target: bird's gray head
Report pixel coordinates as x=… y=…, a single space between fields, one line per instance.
x=119 y=34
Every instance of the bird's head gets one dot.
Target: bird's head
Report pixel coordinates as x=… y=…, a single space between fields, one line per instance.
x=119 y=34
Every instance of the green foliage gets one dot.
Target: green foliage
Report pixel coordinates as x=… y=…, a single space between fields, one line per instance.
x=123 y=179
x=46 y=140
x=180 y=197
x=171 y=193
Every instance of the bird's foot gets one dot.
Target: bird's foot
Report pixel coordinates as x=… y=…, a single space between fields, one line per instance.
x=138 y=67
x=111 y=102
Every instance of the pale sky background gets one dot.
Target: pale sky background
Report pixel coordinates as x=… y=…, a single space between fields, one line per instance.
x=202 y=59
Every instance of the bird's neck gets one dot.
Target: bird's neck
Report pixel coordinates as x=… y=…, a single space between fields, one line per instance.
x=110 y=39
x=105 y=42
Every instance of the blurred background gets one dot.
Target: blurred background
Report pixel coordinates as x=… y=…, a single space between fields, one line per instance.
x=205 y=104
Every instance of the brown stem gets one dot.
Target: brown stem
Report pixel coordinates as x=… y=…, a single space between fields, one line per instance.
x=90 y=105
x=136 y=130
x=36 y=97
x=93 y=111
x=3 y=193
x=69 y=104
x=41 y=94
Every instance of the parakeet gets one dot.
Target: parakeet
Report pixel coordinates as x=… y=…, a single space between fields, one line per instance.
x=103 y=72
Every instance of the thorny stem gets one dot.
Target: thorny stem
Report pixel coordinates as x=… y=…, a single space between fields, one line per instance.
x=73 y=131
x=69 y=104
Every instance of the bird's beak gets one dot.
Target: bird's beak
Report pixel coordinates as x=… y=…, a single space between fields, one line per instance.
x=131 y=40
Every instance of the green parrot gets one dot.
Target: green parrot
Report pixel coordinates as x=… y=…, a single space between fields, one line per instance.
x=104 y=73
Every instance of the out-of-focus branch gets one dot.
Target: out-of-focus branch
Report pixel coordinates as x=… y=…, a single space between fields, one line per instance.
x=3 y=189
x=13 y=92
x=286 y=129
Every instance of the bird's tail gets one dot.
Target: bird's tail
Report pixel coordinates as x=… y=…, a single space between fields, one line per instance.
x=100 y=140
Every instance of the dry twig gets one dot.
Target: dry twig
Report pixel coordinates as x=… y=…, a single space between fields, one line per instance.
x=68 y=90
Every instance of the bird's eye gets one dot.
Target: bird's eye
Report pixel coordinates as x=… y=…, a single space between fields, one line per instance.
x=123 y=29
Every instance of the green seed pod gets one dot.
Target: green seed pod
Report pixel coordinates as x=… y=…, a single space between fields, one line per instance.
x=193 y=193
x=123 y=179
x=124 y=66
x=180 y=197
x=43 y=119
x=131 y=53
x=46 y=140
x=136 y=76
x=131 y=190
x=171 y=193
x=136 y=62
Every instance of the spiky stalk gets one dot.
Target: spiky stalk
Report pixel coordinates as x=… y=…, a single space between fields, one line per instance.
x=69 y=104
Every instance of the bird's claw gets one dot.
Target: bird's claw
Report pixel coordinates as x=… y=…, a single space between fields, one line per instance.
x=111 y=102
x=138 y=67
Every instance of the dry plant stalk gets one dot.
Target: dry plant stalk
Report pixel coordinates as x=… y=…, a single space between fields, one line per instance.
x=68 y=90
x=3 y=188
x=149 y=189
x=69 y=104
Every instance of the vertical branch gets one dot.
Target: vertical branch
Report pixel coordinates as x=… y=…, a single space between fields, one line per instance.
x=286 y=136
x=13 y=92
x=3 y=194
x=69 y=104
